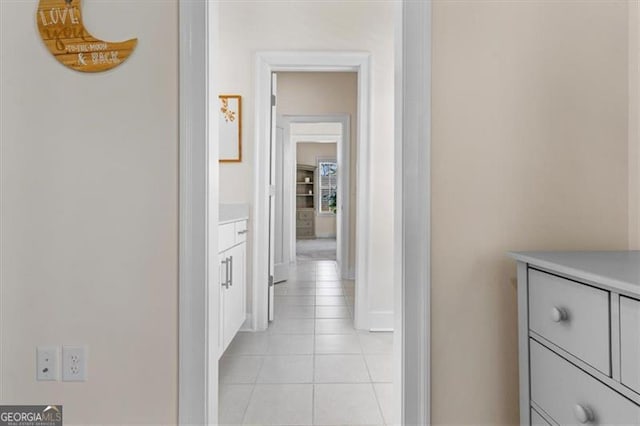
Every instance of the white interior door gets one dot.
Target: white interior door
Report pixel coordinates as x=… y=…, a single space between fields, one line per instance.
x=272 y=193
x=281 y=261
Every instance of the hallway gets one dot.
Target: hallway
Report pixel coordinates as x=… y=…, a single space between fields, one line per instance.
x=311 y=366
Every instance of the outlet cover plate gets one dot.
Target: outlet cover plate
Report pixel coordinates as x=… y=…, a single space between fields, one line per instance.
x=47 y=363
x=74 y=363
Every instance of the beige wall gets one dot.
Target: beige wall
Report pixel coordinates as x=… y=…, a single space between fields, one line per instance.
x=89 y=215
x=309 y=153
x=89 y=185
x=255 y=25
x=529 y=152
x=634 y=125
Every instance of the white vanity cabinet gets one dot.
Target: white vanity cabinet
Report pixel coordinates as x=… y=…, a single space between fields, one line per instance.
x=233 y=280
x=579 y=337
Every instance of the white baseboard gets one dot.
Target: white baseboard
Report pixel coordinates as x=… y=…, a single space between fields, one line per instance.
x=248 y=324
x=381 y=320
x=333 y=236
x=349 y=274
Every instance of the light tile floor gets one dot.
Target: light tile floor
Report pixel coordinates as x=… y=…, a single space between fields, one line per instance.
x=311 y=367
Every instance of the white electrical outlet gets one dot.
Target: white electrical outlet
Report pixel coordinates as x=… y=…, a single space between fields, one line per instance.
x=74 y=363
x=47 y=363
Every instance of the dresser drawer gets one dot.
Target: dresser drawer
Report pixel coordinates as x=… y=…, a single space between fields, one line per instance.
x=574 y=316
x=571 y=396
x=304 y=232
x=537 y=419
x=304 y=224
x=630 y=343
x=304 y=214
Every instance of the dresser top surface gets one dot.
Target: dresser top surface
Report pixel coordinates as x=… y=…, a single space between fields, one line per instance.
x=618 y=270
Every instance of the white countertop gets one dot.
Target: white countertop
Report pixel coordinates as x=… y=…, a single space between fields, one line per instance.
x=228 y=213
x=617 y=270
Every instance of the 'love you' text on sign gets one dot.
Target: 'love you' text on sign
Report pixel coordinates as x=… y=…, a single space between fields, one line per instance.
x=61 y=28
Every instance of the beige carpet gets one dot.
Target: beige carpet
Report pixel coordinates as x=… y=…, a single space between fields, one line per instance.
x=318 y=249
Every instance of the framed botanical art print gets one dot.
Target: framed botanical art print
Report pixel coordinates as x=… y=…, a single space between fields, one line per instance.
x=230 y=128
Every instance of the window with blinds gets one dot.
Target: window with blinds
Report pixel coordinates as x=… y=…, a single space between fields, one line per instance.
x=327 y=186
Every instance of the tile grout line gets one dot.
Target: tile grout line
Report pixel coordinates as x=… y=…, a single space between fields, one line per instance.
x=373 y=388
x=253 y=388
x=313 y=362
x=246 y=409
x=375 y=393
x=314 y=351
x=366 y=363
x=309 y=383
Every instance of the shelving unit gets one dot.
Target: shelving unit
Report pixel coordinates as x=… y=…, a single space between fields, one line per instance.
x=305 y=201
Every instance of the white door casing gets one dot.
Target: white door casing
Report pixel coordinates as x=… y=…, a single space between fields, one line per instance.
x=266 y=64
x=412 y=221
x=198 y=219
x=197 y=375
x=282 y=261
x=343 y=141
x=268 y=279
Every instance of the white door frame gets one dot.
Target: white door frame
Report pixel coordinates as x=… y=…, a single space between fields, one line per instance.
x=412 y=221
x=307 y=61
x=344 y=198
x=282 y=207
x=198 y=308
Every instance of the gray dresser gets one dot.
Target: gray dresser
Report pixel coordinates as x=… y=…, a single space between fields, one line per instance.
x=305 y=223
x=579 y=337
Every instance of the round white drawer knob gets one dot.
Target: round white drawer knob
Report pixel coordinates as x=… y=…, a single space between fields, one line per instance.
x=583 y=414
x=559 y=314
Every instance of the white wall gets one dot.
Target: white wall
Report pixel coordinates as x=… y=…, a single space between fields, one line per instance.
x=529 y=152
x=89 y=215
x=251 y=26
x=308 y=153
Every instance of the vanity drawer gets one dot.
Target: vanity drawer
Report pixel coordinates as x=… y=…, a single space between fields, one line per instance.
x=571 y=315
x=226 y=236
x=570 y=396
x=241 y=231
x=630 y=343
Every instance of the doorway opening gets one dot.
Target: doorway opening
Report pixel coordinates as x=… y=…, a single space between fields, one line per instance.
x=312 y=343
x=270 y=65
x=316 y=199
x=316 y=192
x=324 y=138
x=200 y=79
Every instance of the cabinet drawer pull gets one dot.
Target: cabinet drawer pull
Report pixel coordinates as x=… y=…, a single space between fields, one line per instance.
x=583 y=414
x=225 y=283
x=243 y=232
x=559 y=314
x=230 y=270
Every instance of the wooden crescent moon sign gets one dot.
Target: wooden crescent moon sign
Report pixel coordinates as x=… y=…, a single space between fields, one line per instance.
x=64 y=34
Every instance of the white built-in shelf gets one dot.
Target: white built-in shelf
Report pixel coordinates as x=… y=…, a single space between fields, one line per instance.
x=305 y=202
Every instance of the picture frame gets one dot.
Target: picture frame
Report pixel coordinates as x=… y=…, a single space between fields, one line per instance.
x=230 y=128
